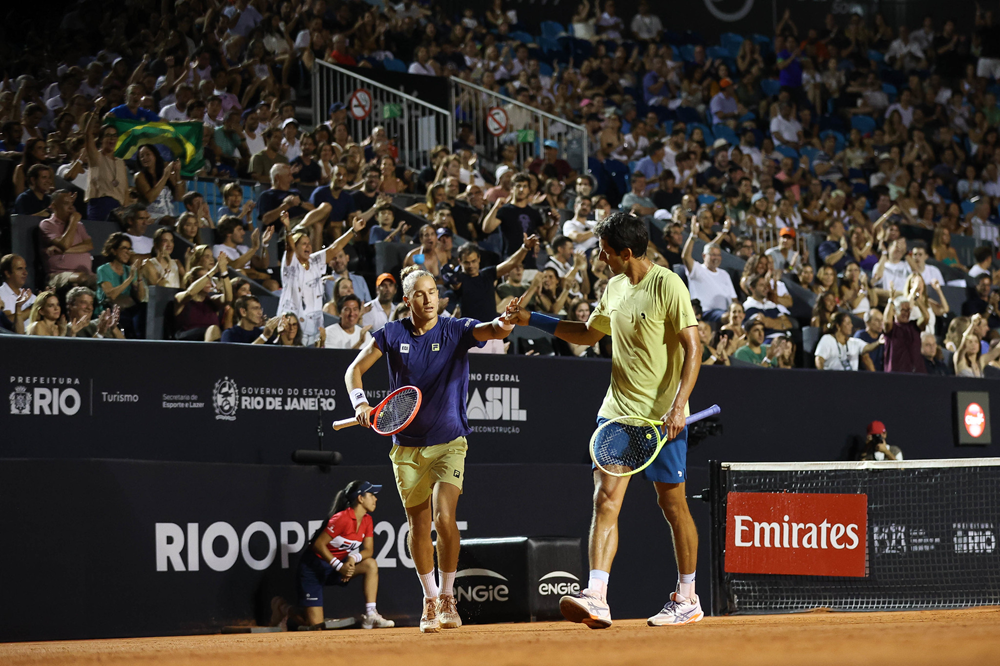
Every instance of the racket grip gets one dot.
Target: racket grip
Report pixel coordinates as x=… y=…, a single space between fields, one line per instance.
x=344 y=423
x=703 y=414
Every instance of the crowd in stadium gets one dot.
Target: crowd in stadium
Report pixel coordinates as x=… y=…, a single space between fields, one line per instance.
x=829 y=192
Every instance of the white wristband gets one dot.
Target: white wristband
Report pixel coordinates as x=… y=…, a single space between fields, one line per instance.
x=356 y=556
x=358 y=398
x=504 y=325
x=336 y=564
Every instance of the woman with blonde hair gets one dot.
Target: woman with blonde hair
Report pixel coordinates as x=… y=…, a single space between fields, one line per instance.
x=969 y=359
x=200 y=257
x=943 y=251
x=916 y=289
x=46 y=318
x=435 y=195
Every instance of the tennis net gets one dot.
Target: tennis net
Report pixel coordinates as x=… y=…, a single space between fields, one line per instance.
x=926 y=535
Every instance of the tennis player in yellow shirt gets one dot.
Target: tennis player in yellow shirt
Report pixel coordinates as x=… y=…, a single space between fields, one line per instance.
x=655 y=361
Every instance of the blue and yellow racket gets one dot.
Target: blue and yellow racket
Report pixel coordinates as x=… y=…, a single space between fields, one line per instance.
x=626 y=445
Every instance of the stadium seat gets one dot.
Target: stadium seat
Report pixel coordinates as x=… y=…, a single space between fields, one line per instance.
x=687 y=114
x=876 y=56
x=811 y=153
x=551 y=29
x=747 y=117
x=864 y=124
x=810 y=338
x=765 y=42
x=724 y=132
x=687 y=53
x=944 y=192
x=394 y=65
x=732 y=43
x=770 y=87
x=889 y=89
x=550 y=45
x=705 y=129
x=717 y=52
x=522 y=37
x=705 y=200
x=545 y=69
x=968 y=207
x=787 y=151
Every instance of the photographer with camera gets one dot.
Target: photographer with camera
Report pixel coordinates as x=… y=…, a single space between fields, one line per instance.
x=876 y=447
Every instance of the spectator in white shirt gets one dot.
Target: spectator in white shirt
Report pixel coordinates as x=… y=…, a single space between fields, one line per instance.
x=252 y=132
x=579 y=229
x=290 y=145
x=892 y=268
x=904 y=107
x=784 y=256
x=378 y=310
x=837 y=350
x=785 y=129
x=904 y=53
x=645 y=25
x=918 y=254
x=421 y=63
x=136 y=219
x=177 y=112
x=709 y=284
x=564 y=260
x=983 y=255
x=347 y=334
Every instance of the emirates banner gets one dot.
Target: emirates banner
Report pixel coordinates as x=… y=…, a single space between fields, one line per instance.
x=800 y=534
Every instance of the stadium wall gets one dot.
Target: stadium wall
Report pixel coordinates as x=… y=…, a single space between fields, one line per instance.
x=108 y=507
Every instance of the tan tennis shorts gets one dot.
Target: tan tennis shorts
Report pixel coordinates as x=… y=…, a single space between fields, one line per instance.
x=418 y=468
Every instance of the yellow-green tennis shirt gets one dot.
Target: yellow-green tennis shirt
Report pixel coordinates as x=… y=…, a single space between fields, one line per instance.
x=644 y=322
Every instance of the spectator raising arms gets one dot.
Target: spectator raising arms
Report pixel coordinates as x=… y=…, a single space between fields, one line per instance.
x=302 y=271
x=121 y=284
x=837 y=350
x=197 y=309
x=107 y=184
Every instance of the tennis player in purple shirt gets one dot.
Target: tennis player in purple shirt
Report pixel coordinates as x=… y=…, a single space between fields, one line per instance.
x=428 y=456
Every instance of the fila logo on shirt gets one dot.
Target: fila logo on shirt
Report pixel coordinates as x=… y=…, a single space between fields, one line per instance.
x=435 y=347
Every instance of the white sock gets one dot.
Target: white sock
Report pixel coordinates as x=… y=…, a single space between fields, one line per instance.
x=685 y=585
x=447 y=582
x=599 y=582
x=429 y=584
x=370 y=609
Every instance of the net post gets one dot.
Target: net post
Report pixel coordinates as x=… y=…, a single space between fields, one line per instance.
x=717 y=537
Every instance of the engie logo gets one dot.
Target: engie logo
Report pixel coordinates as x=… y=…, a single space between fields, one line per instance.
x=61 y=399
x=561 y=587
x=796 y=533
x=483 y=592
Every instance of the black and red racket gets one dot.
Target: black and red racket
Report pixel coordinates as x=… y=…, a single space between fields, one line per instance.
x=392 y=414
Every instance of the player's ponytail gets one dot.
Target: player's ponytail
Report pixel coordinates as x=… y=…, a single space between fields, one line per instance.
x=341 y=501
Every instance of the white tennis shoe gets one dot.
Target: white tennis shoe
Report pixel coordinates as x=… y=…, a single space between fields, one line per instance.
x=586 y=607
x=677 y=612
x=429 y=621
x=375 y=621
x=447 y=612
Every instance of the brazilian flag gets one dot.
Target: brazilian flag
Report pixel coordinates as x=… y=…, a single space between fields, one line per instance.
x=183 y=139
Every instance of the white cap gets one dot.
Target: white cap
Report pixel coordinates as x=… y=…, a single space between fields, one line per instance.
x=501 y=170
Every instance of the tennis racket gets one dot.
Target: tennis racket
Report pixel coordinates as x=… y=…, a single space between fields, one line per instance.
x=627 y=445
x=392 y=414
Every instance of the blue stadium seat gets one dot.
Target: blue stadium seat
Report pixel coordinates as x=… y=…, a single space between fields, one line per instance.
x=731 y=42
x=864 y=124
x=967 y=207
x=545 y=69
x=889 y=89
x=550 y=45
x=841 y=140
x=770 y=87
x=750 y=115
x=855 y=174
x=551 y=29
x=944 y=192
x=523 y=37
x=705 y=129
x=578 y=49
x=394 y=65
x=859 y=189
x=787 y=151
x=687 y=114
x=811 y=153
x=705 y=200
x=724 y=132
x=687 y=53
x=717 y=52
x=765 y=42
x=876 y=56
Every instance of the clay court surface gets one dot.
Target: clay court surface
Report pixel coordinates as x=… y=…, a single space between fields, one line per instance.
x=938 y=637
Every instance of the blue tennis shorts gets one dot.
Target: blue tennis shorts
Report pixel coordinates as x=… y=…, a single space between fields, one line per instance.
x=670 y=466
x=314 y=574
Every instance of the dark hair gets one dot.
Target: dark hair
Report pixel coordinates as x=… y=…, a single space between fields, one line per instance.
x=189 y=198
x=982 y=253
x=243 y=303
x=114 y=242
x=37 y=169
x=371 y=169
x=127 y=213
x=227 y=225
x=160 y=233
x=342 y=500
x=654 y=147
x=158 y=165
x=835 y=321
x=520 y=178
x=349 y=297
x=7 y=264
x=622 y=230
x=559 y=241
x=269 y=132
x=467 y=249
x=755 y=279
x=28 y=161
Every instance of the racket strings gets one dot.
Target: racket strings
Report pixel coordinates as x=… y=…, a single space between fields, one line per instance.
x=396 y=411
x=624 y=445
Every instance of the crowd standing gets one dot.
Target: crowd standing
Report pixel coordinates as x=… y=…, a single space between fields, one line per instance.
x=844 y=167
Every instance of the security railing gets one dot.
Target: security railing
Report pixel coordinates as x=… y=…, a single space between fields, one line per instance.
x=519 y=124
x=415 y=126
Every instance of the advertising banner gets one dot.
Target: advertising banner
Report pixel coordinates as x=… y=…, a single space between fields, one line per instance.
x=802 y=534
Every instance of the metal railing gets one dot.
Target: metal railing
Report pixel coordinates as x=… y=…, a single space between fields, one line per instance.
x=527 y=127
x=413 y=124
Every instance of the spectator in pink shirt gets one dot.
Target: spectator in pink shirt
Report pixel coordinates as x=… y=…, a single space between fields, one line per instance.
x=68 y=244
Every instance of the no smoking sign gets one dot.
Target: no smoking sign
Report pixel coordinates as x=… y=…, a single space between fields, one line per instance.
x=360 y=104
x=496 y=121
